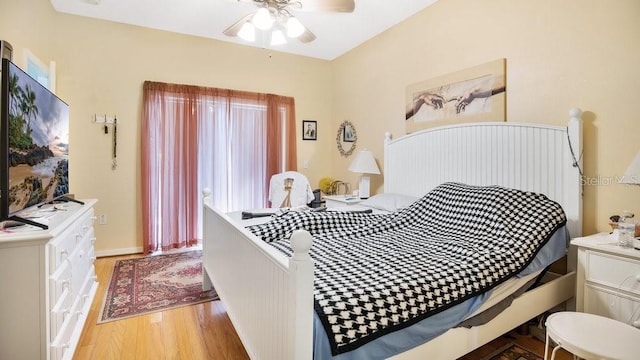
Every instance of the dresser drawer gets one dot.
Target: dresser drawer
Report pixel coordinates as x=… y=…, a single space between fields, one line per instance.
x=62 y=246
x=59 y=282
x=613 y=271
x=62 y=342
x=78 y=260
x=604 y=302
x=60 y=312
x=86 y=222
x=89 y=281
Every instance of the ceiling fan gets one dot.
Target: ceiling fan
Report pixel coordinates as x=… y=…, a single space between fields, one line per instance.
x=276 y=17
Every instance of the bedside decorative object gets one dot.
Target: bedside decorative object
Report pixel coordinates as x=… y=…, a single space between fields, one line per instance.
x=327 y=186
x=614 y=226
x=365 y=164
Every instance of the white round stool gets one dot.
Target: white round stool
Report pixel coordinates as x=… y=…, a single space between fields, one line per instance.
x=590 y=336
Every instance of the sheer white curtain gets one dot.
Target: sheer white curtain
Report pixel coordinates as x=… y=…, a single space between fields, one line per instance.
x=233 y=166
x=195 y=138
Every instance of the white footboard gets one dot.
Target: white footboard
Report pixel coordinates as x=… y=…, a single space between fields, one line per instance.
x=268 y=296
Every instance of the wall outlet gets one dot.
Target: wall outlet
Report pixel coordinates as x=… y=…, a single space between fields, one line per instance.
x=103 y=219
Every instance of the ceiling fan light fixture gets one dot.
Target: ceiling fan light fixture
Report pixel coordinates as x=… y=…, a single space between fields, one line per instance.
x=247 y=32
x=294 y=27
x=278 y=38
x=263 y=19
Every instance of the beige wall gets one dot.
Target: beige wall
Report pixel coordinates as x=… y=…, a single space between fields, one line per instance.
x=100 y=70
x=559 y=54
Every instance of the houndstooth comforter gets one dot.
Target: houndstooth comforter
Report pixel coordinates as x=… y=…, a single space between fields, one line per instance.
x=380 y=273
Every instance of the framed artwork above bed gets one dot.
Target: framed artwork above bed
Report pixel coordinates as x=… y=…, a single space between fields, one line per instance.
x=469 y=95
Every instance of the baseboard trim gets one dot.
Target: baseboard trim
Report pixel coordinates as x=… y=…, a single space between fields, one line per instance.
x=116 y=252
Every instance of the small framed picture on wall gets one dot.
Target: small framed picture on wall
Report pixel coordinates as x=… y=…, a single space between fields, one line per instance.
x=348 y=135
x=309 y=130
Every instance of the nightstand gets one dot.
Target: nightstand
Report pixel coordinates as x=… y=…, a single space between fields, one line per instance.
x=607 y=278
x=333 y=201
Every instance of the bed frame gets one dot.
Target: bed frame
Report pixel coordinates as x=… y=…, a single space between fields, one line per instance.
x=269 y=296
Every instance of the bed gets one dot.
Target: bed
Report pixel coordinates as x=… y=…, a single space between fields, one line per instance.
x=269 y=296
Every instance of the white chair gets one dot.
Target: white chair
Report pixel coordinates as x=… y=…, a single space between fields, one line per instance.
x=589 y=336
x=290 y=189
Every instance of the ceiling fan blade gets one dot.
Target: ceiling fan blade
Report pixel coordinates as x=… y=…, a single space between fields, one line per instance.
x=235 y=28
x=307 y=36
x=346 y=6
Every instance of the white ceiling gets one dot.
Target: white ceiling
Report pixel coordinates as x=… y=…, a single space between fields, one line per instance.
x=336 y=33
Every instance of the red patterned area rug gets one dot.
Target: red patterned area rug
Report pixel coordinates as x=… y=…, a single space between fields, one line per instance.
x=154 y=283
x=514 y=352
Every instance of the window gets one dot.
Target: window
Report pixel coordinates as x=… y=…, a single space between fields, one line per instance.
x=194 y=138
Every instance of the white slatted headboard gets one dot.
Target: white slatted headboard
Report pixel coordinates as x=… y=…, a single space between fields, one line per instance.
x=529 y=157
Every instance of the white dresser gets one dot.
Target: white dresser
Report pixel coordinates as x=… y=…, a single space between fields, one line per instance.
x=608 y=278
x=47 y=284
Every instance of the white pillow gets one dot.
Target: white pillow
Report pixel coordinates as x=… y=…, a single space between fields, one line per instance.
x=389 y=201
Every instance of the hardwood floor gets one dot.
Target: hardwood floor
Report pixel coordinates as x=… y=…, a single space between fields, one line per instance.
x=201 y=331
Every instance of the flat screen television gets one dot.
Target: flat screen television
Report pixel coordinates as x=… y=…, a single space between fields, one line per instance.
x=34 y=150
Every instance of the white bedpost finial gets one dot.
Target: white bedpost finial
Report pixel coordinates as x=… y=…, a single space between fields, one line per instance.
x=301 y=242
x=575 y=114
x=387 y=137
x=301 y=296
x=206 y=195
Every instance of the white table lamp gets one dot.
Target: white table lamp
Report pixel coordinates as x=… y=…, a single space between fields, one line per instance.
x=632 y=175
x=365 y=164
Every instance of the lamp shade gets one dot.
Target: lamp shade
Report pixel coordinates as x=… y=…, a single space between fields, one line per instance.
x=632 y=175
x=364 y=163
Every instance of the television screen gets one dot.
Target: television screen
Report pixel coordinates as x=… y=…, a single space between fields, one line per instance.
x=35 y=146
